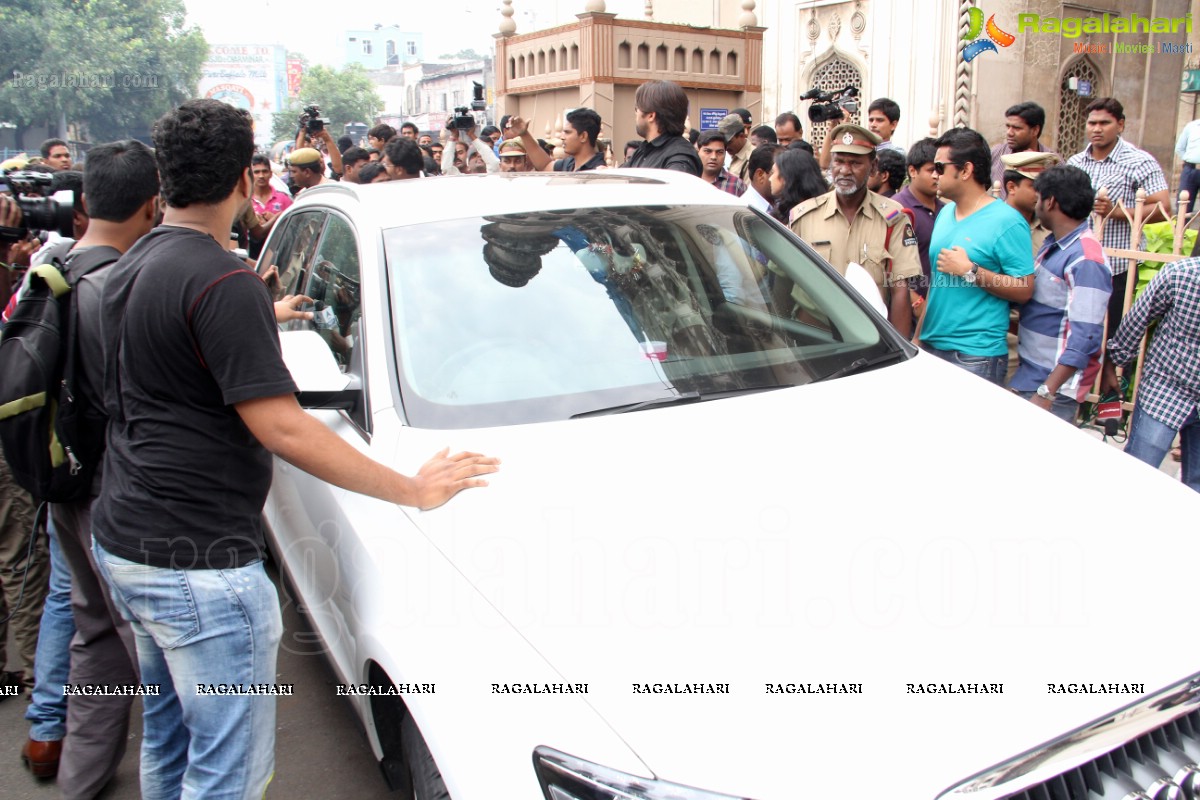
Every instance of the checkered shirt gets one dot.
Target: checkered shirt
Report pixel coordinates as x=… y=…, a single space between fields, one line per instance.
x=728 y=182
x=1125 y=170
x=1170 y=386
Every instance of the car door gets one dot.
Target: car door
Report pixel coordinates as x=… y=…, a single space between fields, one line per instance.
x=322 y=546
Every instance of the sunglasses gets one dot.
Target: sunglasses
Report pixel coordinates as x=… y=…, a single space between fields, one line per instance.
x=940 y=166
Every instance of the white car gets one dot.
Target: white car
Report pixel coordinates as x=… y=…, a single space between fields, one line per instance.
x=745 y=540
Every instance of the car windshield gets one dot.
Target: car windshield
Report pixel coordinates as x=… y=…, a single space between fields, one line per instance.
x=531 y=317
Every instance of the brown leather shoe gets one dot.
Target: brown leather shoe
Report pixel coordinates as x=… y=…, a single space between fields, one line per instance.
x=41 y=757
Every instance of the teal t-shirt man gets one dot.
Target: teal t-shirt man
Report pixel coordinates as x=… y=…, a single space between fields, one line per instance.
x=961 y=316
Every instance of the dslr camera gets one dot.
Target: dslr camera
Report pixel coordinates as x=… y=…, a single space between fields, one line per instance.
x=829 y=105
x=39 y=211
x=311 y=119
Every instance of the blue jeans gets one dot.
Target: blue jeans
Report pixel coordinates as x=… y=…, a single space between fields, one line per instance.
x=47 y=713
x=1151 y=440
x=201 y=626
x=990 y=368
x=1062 y=406
x=1190 y=179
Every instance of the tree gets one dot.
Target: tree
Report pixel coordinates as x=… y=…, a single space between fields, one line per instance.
x=113 y=66
x=345 y=95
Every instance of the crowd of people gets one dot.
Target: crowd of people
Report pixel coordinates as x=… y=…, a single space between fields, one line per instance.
x=1012 y=285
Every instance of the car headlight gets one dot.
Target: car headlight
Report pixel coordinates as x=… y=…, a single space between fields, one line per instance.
x=565 y=777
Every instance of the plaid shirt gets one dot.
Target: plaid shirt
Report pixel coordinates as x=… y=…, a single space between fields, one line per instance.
x=728 y=182
x=1170 y=386
x=1125 y=170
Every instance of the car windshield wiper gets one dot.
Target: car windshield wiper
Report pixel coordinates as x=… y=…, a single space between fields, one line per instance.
x=860 y=364
x=683 y=398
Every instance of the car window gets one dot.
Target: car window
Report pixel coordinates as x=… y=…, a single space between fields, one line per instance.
x=290 y=251
x=333 y=285
x=539 y=316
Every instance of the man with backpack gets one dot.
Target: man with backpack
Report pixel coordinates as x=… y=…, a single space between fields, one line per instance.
x=120 y=188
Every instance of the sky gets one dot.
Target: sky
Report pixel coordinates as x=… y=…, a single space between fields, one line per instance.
x=449 y=26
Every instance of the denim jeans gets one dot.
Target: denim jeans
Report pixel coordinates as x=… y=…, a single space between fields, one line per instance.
x=1150 y=441
x=47 y=713
x=990 y=368
x=1062 y=406
x=201 y=626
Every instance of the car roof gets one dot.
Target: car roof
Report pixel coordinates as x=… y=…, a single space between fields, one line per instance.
x=401 y=203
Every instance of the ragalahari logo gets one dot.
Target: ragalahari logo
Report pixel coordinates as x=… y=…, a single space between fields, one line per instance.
x=995 y=36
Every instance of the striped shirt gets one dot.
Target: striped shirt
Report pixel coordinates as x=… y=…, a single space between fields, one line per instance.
x=1170 y=386
x=1125 y=170
x=1063 y=323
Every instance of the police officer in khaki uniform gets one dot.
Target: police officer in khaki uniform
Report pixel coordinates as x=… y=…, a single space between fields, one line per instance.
x=853 y=224
x=1020 y=171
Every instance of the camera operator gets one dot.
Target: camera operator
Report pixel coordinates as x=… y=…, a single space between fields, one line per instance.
x=314 y=134
x=454 y=162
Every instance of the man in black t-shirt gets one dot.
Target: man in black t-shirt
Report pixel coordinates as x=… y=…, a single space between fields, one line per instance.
x=661 y=109
x=198 y=398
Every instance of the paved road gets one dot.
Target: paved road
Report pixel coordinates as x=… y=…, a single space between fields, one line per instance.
x=320 y=748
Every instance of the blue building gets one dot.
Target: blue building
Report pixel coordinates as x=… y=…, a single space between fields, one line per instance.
x=383 y=46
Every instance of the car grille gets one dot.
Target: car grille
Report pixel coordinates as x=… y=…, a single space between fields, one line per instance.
x=1149 y=750
x=1160 y=765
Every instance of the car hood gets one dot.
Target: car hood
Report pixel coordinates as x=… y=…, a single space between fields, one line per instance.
x=863 y=534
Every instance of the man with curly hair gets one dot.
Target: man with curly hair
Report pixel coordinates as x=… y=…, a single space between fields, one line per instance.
x=198 y=398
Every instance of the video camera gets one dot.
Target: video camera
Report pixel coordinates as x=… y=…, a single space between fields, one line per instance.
x=39 y=212
x=311 y=119
x=829 y=105
x=463 y=119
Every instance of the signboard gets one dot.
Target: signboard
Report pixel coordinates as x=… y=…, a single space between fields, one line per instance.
x=711 y=117
x=249 y=76
x=1085 y=88
x=295 y=70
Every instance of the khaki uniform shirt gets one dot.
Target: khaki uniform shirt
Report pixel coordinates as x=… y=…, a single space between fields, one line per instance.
x=1039 y=234
x=737 y=164
x=820 y=223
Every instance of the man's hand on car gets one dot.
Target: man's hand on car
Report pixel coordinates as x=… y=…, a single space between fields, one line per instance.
x=444 y=476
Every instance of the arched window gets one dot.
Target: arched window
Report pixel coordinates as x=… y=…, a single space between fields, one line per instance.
x=643 y=56
x=624 y=55
x=680 y=59
x=714 y=62
x=562 y=57
x=521 y=66
x=553 y=60
x=731 y=64
x=1072 y=120
x=833 y=75
x=698 y=60
x=512 y=68
x=574 y=56
x=541 y=62
x=660 y=58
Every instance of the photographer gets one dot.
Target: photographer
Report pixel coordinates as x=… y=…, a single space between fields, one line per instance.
x=451 y=156
x=313 y=133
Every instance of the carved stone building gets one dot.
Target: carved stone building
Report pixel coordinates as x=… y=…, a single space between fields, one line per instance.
x=599 y=60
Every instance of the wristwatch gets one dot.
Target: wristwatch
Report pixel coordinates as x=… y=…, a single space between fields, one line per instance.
x=1044 y=391
x=971 y=275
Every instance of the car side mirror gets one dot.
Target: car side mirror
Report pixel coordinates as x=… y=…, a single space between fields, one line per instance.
x=315 y=371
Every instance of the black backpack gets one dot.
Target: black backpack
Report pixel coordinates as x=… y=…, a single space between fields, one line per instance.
x=53 y=440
